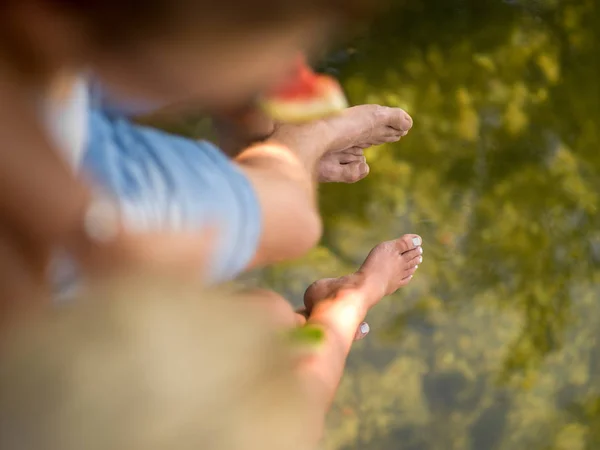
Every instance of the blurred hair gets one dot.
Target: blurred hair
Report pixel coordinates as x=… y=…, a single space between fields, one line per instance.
x=114 y=25
x=146 y=364
x=116 y=22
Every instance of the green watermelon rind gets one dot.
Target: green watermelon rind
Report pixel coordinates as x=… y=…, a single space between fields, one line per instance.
x=305 y=110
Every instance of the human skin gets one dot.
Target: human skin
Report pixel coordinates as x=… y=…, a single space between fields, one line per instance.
x=339 y=306
x=361 y=126
x=237 y=129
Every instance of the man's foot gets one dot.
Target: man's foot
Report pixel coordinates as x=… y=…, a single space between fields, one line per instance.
x=392 y=264
x=344 y=166
x=352 y=131
x=355 y=129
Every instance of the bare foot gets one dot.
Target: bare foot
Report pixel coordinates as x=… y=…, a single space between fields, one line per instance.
x=355 y=129
x=344 y=166
x=388 y=267
x=392 y=264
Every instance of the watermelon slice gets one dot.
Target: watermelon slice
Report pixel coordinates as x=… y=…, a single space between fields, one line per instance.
x=305 y=96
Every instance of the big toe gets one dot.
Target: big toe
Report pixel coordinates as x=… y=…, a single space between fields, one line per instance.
x=350 y=172
x=408 y=242
x=396 y=118
x=354 y=171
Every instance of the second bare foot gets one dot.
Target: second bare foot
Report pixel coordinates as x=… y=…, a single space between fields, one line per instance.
x=392 y=264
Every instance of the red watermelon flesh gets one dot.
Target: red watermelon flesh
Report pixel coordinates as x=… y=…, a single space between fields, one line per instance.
x=305 y=96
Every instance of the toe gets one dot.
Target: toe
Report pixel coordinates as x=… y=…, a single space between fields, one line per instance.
x=391 y=139
x=362 y=331
x=356 y=151
x=393 y=132
x=346 y=158
x=409 y=276
x=412 y=257
x=354 y=171
x=398 y=119
x=415 y=261
x=408 y=242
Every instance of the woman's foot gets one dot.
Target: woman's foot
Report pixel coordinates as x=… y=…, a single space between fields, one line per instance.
x=392 y=264
x=388 y=267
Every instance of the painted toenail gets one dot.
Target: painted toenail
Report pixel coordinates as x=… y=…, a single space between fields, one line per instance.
x=364 y=328
x=420 y=259
x=416 y=241
x=421 y=250
x=416 y=267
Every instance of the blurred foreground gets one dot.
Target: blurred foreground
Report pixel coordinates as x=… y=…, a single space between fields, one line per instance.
x=144 y=363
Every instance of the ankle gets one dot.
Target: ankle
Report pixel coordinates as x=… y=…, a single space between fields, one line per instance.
x=372 y=285
x=328 y=132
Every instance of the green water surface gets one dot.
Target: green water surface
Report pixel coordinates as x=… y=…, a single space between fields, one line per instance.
x=494 y=345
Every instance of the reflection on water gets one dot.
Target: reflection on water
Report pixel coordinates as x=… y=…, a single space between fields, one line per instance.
x=494 y=345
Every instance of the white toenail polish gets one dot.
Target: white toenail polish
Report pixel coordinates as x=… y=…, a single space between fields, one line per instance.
x=416 y=241
x=421 y=250
x=420 y=259
x=416 y=267
x=364 y=328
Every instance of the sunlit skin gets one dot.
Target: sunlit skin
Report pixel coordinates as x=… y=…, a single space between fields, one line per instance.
x=145 y=361
x=339 y=306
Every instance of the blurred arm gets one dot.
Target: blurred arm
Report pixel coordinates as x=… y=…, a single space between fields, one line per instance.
x=263 y=205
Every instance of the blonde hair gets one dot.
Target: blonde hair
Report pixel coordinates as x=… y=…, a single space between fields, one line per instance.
x=144 y=364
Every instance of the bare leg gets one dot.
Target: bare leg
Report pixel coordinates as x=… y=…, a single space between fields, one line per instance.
x=388 y=267
x=339 y=307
